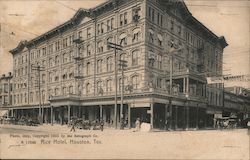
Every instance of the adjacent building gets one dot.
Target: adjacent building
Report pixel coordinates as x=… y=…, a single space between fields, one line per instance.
x=5 y=93
x=71 y=71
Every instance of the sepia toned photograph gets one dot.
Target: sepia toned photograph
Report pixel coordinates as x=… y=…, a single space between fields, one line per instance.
x=125 y=79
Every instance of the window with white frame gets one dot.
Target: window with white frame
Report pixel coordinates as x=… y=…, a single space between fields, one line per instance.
x=87 y=88
x=57 y=60
x=135 y=57
x=50 y=48
x=71 y=73
x=151 y=35
x=56 y=76
x=136 y=35
x=88 y=68
x=109 y=64
x=80 y=34
x=65 y=57
x=88 y=32
x=88 y=50
x=159 y=60
x=110 y=39
x=99 y=66
x=100 y=47
x=123 y=19
x=108 y=25
x=160 y=40
x=99 y=87
x=38 y=53
x=98 y=29
x=112 y=23
x=43 y=78
x=102 y=27
x=57 y=45
x=64 y=76
x=64 y=90
x=44 y=51
x=50 y=77
x=123 y=39
x=71 y=90
x=159 y=82
x=31 y=97
x=135 y=82
x=109 y=85
x=56 y=91
x=71 y=39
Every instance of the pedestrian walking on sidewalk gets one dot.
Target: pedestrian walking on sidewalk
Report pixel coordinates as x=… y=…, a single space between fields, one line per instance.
x=138 y=124
x=101 y=124
x=73 y=127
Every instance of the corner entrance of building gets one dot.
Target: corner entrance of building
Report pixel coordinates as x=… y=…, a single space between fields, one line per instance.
x=140 y=113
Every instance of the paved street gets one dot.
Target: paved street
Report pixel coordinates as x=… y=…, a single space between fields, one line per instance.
x=33 y=143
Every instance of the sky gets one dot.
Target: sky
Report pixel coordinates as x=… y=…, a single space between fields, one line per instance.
x=227 y=18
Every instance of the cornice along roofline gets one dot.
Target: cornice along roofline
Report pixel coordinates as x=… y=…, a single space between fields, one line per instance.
x=94 y=12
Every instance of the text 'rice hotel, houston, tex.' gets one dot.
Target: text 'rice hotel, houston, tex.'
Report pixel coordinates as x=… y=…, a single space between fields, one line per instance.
x=163 y=54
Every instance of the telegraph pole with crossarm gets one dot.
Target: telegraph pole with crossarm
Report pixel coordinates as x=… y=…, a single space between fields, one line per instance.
x=39 y=68
x=115 y=47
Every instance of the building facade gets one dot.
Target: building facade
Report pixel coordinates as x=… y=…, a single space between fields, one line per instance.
x=5 y=93
x=71 y=71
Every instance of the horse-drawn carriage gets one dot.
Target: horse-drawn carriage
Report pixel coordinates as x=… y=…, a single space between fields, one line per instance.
x=85 y=124
x=226 y=123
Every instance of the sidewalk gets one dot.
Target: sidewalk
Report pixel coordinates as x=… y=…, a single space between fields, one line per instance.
x=56 y=128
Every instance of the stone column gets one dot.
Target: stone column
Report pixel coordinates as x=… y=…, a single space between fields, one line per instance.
x=69 y=113
x=129 y=116
x=101 y=110
x=51 y=115
x=152 y=115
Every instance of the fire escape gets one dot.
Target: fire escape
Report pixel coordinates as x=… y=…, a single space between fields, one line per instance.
x=78 y=57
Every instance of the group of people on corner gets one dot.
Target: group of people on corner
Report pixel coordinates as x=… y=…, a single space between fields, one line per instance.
x=97 y=123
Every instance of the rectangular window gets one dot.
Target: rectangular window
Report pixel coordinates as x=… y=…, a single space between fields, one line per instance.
x=172 y=25
x=80 y=34
x=161 y=21
x=149 y=12
x=88 y=50
x=112 y=23
x=50 y=48
x=153 y=15
x=98 y=29
x=44 y=51
x=121 y=20
x=38 y=53
x=125 y=18
x=159 y=81
x=135 y=37
x=108 y=25
x=102 y=28
x=158 y=18
x=88 y=32
x=179 y=30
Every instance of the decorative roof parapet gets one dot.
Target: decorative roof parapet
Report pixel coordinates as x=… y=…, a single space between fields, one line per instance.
x=98 y=10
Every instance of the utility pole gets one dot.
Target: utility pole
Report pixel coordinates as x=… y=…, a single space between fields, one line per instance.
x=122 y=64
x=171 y=52
x=39 y=68
x=115 y=47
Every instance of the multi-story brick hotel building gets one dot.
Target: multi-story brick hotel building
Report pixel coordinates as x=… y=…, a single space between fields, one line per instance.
x=76 y=68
